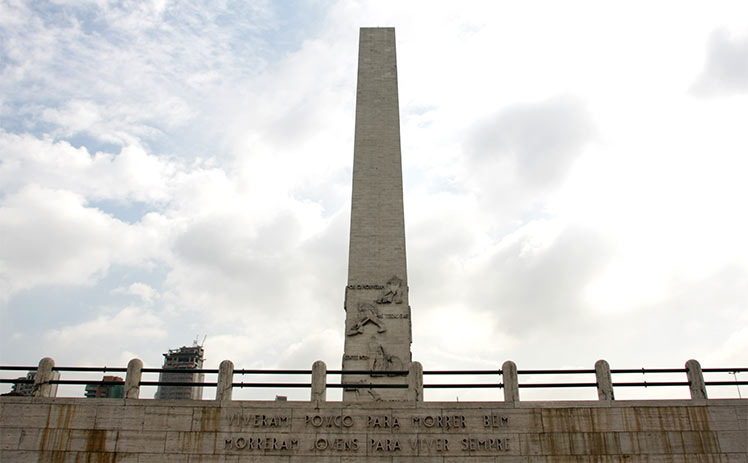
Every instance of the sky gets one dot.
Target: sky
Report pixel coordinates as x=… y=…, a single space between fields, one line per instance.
x=574 y=182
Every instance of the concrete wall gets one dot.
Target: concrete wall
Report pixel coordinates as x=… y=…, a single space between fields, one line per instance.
x=137 y=430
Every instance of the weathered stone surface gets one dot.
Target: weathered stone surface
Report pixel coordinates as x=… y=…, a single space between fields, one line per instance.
x=118 y=417
x=72 y=415
x=10 y=438
x=378 y=325
x=173 y=418
x=733 y=441
x=144 y=430
x=141 y=441
x=36 y=415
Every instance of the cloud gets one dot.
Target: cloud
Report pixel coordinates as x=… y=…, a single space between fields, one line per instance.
x=537 y=142
x=130 y=175
x=143 y=291
x=69 y=68
x=50 y=237
x=111 y=333
x=726 y=68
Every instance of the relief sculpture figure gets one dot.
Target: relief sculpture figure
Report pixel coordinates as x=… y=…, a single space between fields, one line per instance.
x=393 y=292
x=382 y=360
x=367 y=313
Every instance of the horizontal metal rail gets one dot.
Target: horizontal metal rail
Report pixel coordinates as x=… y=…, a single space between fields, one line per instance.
x=179 y=370
x=368 y=372
x=726 y=383
x=648 y=370
x=554 y=385
x=368 y=386
x=399 y=372
x=463 y=372
x=651 y=384
x=102 y=369
x=272 y=372
x=555 y=372
x=82 y=382
x=177 y=383
x=724 y=370
x=276 y=385
x=465 y=386
x=166 y=372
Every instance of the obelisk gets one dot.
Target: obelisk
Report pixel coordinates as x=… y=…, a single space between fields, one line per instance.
x=377 y=326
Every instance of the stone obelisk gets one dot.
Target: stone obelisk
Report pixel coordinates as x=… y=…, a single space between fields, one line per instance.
x=377 y=330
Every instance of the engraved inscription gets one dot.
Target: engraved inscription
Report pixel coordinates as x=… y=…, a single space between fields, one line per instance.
x=382 y=421
x=385 y=445
x=430 y=445
x=325 y=433
x=495 y=421
x=338 y=444
x=334 y=421
x=259 y=421
x=365 y=286
x=438 y=421
x=485 y=443
x=282 y=443
x=261 y=443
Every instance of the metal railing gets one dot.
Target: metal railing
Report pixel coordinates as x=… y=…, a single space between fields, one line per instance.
x=48 y=377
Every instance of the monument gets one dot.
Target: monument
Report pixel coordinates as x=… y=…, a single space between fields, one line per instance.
x=377 y=325
x=383 y=416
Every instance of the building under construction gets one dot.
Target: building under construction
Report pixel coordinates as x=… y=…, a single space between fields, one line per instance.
x=183 y=361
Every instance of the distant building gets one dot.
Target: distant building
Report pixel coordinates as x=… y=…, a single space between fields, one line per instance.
x=108 y=391
x=27 y=388
x=182 y=360
x=24 y=388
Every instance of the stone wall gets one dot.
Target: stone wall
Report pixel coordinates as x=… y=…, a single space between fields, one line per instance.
x=141 y=430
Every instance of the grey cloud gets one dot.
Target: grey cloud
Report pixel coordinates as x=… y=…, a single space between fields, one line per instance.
x=541 y=140
x=224 y=263
x=547 y=284
x=231 y=249
x=706 y=311
x=726 y=69
x=51 y=237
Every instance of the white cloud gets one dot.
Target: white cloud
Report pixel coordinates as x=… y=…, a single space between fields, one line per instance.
x=110 y=334
x=145 y=292
x=130 y=175
x=535 y=142
x=50 y=237
x=726 y=68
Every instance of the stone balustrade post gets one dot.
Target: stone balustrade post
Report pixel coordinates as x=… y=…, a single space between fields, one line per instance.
x=415 y=382
x=132 y=378
x=695 y=380
x=224 y=388
x=45 y=374
x=604 y=381
x=319 y=381
x=511 y=383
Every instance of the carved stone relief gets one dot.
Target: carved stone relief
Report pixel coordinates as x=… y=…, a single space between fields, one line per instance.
x=366 y=314
x=370 y=392
x=393 y=292
x=381 y=360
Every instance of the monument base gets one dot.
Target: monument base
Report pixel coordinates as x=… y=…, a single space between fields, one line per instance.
x=109 y=430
